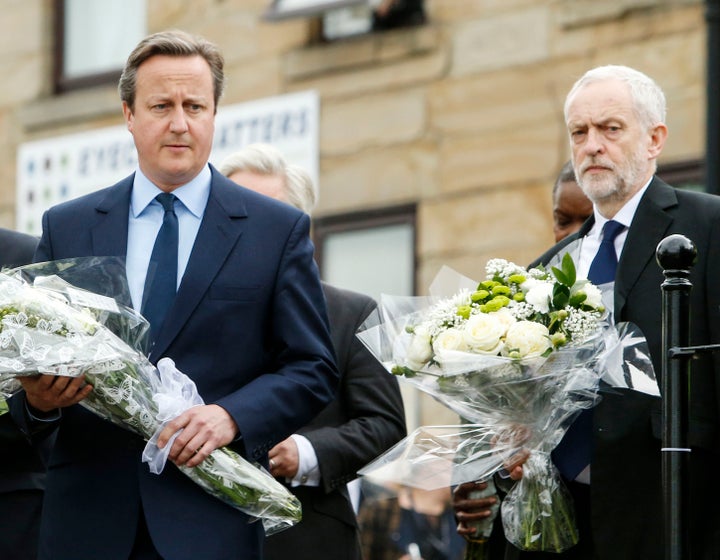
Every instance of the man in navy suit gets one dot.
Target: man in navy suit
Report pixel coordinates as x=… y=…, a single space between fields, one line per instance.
x=248 y=324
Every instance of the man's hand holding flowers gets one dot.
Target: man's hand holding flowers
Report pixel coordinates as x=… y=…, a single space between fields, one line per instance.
x=46 y=393
x=63 y=333
x=200 y=431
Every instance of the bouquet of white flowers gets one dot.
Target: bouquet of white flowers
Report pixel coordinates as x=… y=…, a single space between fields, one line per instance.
x=518 y=355
x=52 y=327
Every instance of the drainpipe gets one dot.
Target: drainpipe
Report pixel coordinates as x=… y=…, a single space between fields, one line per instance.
x=712 y=148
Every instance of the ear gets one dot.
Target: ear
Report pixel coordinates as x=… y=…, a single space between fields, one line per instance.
x=129 y=117
x=658 y=135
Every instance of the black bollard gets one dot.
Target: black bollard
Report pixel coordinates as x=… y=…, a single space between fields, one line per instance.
x=675 y=254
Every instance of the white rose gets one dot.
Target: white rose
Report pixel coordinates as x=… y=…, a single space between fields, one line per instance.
x=505 y=316
x=528 y=339
x=419 y=350
x=449 y=339
x=539 y=296
x=483 y=332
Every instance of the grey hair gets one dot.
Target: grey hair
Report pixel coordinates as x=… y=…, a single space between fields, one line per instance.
x=648 y=98
x=171 y=43
x=264 y=159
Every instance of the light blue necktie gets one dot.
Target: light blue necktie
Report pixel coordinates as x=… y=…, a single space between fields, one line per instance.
x=161 y=280
x=574 y=452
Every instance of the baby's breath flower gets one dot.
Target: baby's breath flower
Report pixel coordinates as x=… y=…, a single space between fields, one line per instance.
x=580 y=325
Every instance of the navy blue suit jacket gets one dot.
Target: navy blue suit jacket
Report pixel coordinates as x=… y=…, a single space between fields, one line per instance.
x=249 y=326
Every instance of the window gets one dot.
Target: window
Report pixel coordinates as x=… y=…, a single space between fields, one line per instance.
x=684 y=175
x=369 y=252
x=93 y=39
x=284 y=9
x=346 y=18
x=373 y=253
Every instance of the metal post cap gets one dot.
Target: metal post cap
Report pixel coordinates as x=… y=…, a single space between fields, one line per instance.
x=676 y=252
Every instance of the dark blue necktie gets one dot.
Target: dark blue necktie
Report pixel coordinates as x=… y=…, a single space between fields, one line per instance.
x=161 y=280
x=604 y=265
x=574 y=452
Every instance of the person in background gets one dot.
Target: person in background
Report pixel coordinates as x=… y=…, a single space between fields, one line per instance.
x=393 y=14
x=364 y=420
x=22 y=469
x=16 y=249
x=245 y=319
x=570 y=205
x=408 y=523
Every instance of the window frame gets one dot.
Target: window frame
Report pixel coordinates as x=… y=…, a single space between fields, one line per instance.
x=684 y=172
x=405 y=214
x=275 y=12
x=61 y=82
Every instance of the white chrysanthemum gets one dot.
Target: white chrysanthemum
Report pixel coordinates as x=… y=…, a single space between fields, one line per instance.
x=539 y=294
x=594 y=295
x=527 y=339
x=443 y=314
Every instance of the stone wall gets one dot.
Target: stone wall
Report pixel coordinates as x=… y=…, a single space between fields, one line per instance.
x=462 y=116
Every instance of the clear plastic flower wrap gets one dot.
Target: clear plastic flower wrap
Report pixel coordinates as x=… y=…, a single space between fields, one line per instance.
x=518 y=356
x=50 y=326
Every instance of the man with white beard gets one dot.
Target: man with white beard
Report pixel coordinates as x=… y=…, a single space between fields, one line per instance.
x=615 y=120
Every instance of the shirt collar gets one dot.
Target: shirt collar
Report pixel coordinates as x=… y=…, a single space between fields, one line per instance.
x=193 y=195
x=624 y=216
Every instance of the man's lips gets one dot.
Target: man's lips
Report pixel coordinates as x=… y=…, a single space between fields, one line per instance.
x=177 y=147
x=592 y=169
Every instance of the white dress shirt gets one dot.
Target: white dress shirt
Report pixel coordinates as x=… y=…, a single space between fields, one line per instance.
x=591 y=242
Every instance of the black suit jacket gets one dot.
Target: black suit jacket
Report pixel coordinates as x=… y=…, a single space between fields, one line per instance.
x=626 y=490
x=364 y=420
x=23 y=465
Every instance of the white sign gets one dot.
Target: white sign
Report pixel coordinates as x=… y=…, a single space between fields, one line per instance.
x=64 y=167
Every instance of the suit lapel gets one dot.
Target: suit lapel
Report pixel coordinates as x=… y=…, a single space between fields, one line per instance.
x=110 y=232
x=220 y=229
x=649 y=226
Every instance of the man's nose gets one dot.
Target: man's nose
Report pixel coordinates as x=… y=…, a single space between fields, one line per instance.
x=594 y=143
x=178 y=121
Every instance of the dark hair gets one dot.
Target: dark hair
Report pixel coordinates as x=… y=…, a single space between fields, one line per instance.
x=171 y=43
x=566 y=175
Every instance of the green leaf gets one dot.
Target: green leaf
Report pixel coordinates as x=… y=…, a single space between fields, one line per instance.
x=403 y=370
x=567 y=274
x=560 y=275
x=568 y=267
x=561 y=296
